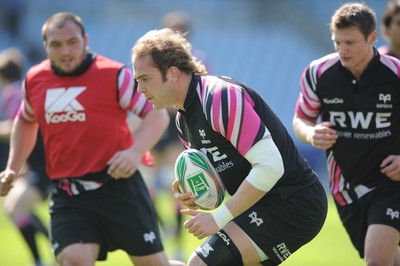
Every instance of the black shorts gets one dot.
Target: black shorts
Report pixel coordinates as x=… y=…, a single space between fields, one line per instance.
x=380 y=206
x=118 y=215
x=281 y=226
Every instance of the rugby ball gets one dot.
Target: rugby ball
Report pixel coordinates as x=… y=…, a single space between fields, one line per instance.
x=197 y=175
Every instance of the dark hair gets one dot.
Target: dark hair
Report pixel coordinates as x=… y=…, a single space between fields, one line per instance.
x=59 y=20
x=354 y=15
x=11 y=64
x=392 y=9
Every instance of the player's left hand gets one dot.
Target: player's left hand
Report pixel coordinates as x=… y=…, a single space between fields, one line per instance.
x=390 y=166
x=201 y=224
x=186 y=198
x=123 y=164
x=7 y=178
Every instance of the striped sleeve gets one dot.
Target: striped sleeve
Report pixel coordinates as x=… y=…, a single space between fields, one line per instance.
x=26 y=112
x=308 y=103
x=128 y=95
x=230 y=111
x=392 y=63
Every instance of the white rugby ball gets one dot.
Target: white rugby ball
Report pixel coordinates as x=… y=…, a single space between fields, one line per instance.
x=197 y=175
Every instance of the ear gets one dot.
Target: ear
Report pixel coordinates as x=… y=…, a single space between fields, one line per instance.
x=173 y=74
x=86 y=39
x=372 y=37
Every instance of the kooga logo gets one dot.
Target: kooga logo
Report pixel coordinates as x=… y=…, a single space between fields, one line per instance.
x=61 y=105
x=333 y=101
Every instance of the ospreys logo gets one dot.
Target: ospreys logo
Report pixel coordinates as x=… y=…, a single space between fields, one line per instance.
x=149 y=237
x=62 y=106
x=393 y=214
x=386 y=99
x=255 y=219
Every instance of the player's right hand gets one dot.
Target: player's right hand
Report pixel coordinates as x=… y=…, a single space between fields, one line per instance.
x=187 y=198
x=7 y=178
x=323 y=136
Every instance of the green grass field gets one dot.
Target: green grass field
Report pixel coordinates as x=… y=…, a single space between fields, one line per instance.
x=331 y=247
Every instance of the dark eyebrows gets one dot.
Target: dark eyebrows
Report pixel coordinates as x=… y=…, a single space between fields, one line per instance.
x=139 y=77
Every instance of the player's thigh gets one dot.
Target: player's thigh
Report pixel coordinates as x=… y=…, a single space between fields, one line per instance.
x=159 y=258
x=79 y=254
x=246 y=248
x=381 y=242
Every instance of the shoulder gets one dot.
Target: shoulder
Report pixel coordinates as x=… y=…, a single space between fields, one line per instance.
x=391 y=62
x=325 y=62
x=41 y=68
x=215 y=89
x=103 y=62
x=318 y=67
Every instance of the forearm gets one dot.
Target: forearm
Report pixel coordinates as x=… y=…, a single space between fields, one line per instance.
x=245 y=197
x=267 y=169
x=303 y=129
x=22 y=141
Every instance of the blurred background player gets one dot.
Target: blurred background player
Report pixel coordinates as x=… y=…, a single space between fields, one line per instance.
x=33 y=186
x=391 y=29
x=79 y=101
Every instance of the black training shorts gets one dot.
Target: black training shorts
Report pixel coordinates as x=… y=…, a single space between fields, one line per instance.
x=380 y=206
x=119 y=215
x=280 y=226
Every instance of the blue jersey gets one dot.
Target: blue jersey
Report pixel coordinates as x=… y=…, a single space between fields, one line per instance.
x=224 y=119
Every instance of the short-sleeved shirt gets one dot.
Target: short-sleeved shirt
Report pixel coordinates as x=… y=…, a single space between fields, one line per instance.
x=366 y=115
x=225 y=119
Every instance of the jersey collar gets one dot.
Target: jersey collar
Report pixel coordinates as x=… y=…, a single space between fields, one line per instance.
x=191 y=93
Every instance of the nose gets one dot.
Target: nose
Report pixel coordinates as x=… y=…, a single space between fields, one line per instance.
x=141 y=88
x=65 y=50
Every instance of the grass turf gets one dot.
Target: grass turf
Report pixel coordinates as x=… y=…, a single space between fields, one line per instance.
x=331 y=247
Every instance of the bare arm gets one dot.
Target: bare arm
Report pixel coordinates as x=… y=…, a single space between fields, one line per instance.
x=23 y=139
x=320 y=136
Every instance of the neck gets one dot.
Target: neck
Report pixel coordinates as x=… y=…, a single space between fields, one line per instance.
x=357 y=72
x=182 y=90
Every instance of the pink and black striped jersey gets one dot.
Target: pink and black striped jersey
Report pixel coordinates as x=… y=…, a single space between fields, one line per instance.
x=224 y=119
x=365 y=113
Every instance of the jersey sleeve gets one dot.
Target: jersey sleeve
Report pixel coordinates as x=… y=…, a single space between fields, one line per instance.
x=129 y=96
x=308 y=104
x=25 y=111
x=230 y=111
